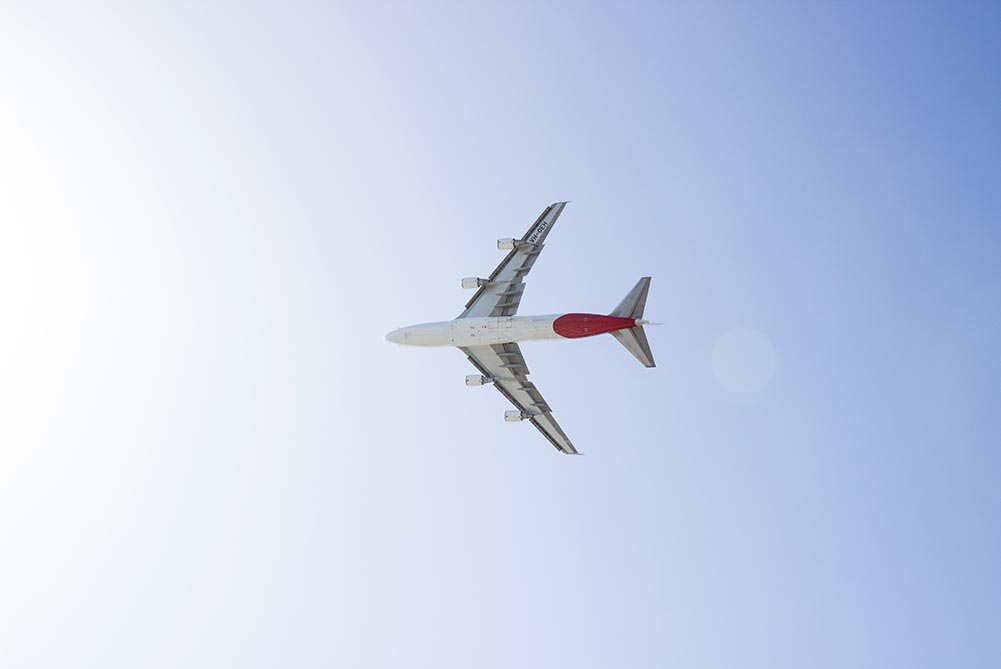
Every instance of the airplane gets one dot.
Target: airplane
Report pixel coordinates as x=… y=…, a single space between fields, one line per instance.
x=488 y=331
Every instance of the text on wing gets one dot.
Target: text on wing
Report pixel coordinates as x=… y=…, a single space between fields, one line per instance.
x=539 y=229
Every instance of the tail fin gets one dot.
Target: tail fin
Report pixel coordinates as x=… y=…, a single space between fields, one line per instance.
x=634 y=339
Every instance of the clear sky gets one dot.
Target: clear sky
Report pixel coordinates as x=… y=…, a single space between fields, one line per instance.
x=210 y=215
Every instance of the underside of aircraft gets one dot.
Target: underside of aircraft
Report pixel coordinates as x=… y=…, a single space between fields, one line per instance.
x=488 y=329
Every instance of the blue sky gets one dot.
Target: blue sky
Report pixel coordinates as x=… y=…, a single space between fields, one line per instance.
x=211 y=215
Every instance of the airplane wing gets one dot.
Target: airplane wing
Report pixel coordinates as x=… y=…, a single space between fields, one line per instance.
x=502 y=295
x=506 y=365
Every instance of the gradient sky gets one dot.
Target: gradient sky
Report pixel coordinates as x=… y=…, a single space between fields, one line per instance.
x=211 y=215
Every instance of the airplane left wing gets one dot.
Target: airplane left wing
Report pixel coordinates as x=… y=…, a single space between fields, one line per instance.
x=502 y=293
x=505 y=364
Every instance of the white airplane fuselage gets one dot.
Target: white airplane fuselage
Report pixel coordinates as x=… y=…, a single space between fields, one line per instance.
x=485 y=331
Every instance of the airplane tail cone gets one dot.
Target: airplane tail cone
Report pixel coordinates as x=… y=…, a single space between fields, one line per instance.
x=634 y=339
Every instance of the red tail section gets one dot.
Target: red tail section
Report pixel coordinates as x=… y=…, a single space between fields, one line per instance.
x=575 y=326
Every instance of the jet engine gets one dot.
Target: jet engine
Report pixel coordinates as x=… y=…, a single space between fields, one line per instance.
x=477 y=380
x=513 y=416
x=474 y=282
x=507 y=244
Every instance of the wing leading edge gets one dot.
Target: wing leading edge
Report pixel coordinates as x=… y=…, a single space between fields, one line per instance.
x=505 y=364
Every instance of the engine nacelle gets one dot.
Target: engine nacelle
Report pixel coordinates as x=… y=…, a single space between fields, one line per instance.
x=477 y=380
x=507 y=244
x=513 y=416
x=474 y=282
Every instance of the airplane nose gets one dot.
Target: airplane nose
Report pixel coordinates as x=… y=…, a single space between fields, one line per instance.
x=394 y=337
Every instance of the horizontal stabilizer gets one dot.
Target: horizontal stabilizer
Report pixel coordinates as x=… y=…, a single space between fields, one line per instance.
x=633 y=304
x=634 y=339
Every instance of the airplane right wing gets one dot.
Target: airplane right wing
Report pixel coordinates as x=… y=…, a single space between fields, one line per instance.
x=505 y=364
x=502 y=293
